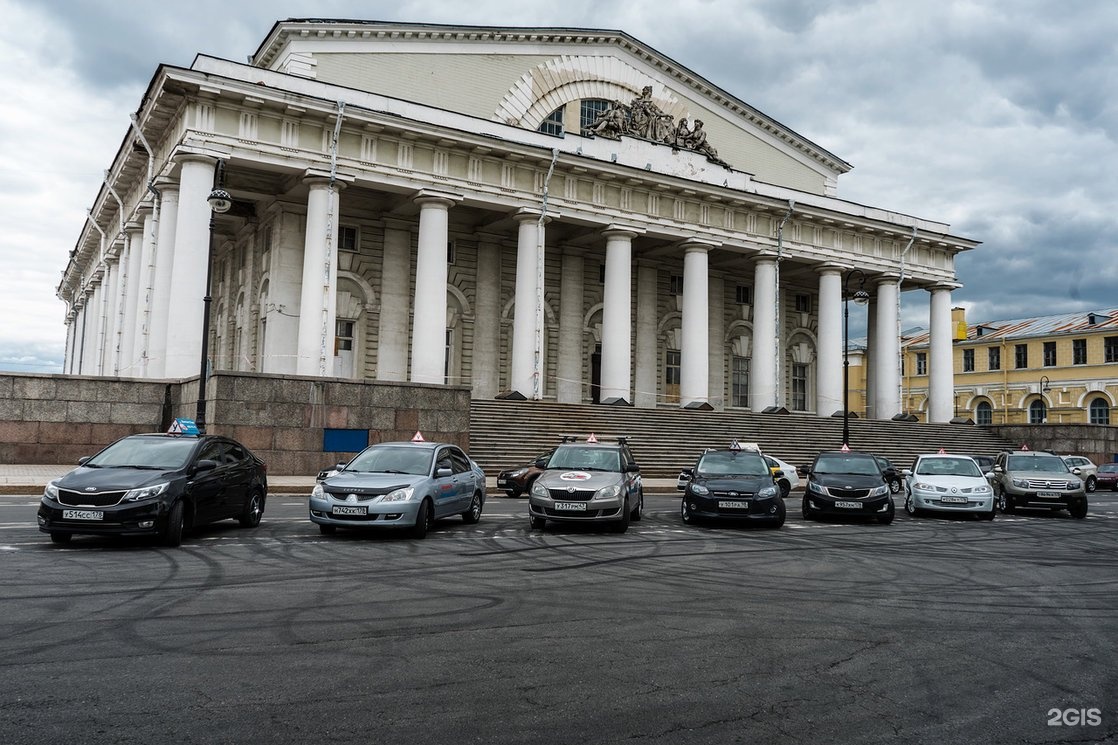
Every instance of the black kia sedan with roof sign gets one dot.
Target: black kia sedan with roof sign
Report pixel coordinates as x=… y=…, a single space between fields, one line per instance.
x=156 y=484
x=845 y=483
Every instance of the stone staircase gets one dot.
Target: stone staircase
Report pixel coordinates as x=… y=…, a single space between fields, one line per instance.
x=504 y=434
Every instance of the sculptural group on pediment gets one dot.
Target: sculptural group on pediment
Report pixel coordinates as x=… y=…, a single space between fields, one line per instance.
x=642 y=118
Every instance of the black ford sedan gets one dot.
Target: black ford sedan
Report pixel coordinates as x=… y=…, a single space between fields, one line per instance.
x=156 y=484
x=732 y=485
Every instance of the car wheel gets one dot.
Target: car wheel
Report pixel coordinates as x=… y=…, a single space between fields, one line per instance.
x=424 y=518
x=253 y=511
x=622 y=525
x=910 y=506
x=894 y=487
x=808 y=513
x=327 y=529
x=537 y=523
x=1078 y=509
x=176 y=521
x=785 y=488
x=638 y=513
x=61 y=538
x=1091 y=484
x=473 y=514
x=684 y=513
x=781 y=514
x=1005 y=502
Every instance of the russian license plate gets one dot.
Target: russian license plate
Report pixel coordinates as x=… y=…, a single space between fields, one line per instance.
x=82 y=515
x=733 y=505
x=953 y=500
x=339 y=509
x=1051 y=494
x=571 y=506
x=849 y=505
x=501 y=482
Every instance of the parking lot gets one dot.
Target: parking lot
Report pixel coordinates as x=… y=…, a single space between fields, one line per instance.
x=926 y=630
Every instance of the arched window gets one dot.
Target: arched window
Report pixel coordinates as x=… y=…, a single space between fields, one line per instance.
x=1099 y=411
x=984 y=413
x=553 y=123
x=589 y=109
x=1038 y=412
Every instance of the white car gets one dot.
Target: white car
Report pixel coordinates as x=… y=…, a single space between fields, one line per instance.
x=1087 y=470
x=790 y=480
x=948 y=483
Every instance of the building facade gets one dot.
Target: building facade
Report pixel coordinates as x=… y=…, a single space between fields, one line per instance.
x=1058 y=369
x=549 y=213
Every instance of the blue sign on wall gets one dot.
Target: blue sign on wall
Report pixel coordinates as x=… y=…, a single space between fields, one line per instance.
x=344 y=440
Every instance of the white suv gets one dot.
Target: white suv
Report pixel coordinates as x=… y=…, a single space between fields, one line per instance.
x=1087 y=470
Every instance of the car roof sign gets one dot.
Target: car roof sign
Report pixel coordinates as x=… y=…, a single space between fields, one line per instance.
x=418 y=437
x=183 y=427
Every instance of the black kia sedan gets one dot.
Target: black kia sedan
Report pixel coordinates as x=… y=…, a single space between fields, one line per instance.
x=156 y=484
x=847 y=484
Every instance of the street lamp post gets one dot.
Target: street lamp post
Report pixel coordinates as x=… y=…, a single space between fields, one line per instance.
x=861 y=297
x=220 y=202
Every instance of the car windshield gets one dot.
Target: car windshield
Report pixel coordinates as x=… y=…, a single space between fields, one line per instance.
x=1109 y=468
x=585 y=458
x=948 y=467
x=393 y=459
x=862 y=465
x=168 y=453
x=726 y=463
x=1036 y=463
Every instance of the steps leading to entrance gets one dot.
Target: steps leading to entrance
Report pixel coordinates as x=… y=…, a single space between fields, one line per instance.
x=504 y=434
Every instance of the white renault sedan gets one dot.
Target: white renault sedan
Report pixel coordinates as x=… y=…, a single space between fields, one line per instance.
x=948 y=483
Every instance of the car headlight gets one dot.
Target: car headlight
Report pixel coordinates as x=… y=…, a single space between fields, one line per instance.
x=920 y=485
x=400 y=495
x=981 y=490
x=518 y=473
x=538 y=489
x=318 y=492
x=768 y=491
x=812 y=486
x=879 y=491
x=1021 y=483
x=51 y=490
x=699 y=490
x=146 y=492
x=608 y=492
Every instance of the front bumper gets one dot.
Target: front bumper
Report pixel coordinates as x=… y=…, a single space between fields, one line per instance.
x=137 y=518
x=1035 y=500
x=865 y=507
x=376 y=516
x=591 y=510
x=935 y=501
x=764 y=509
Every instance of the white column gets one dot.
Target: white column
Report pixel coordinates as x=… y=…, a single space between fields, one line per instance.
x=281 y=312
x=694 y=380
x=941 y=370
x=134 y=249
x=486 y=373
x=317 y=299
x=522 y=361
x=868 y=357
x=163 y=259
x=428 y=337
x=143 y=288
x=192 y=257
x=647 y=353
x=762 y=384
x=81 y=343
x=68 y=350
x=887 y=381
x=617 y=311
x=395 y=302
x=111 y=289
x=569 y=388
x=716 y=342
x=828 y=366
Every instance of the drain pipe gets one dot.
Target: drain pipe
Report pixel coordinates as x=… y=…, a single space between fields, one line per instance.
x=778 y=388
x=157 y=202
x=326 y=333
x=100 y=318
x=537 y=367
x=900 y=345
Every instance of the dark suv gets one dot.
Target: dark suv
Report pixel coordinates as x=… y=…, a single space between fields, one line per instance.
x=847 y=484
x=588 y=482
x=1038 y=480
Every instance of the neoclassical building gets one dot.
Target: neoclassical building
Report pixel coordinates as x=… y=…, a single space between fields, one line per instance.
x=562 y=214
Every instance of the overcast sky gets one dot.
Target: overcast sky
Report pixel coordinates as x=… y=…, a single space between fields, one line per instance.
x=997 y=117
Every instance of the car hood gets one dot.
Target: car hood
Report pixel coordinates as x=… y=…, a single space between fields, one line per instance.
x=951 y=482
x=562 y=478
x=1043 y=475
x=751 y=484
x=847 y=480
x=357 y=481
x=85 y=478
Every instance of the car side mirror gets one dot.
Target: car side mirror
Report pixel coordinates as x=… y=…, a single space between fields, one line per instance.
x=1077 y=470
x=442 y=472
x=997 y=469
x=778 y=473
x=82 y=460
x=541 y=463
x=204 y=465
x=632 y=468
x=803 y=471
x=906 y=472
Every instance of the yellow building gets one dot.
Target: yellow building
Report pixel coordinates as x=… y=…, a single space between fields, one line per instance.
x=1059 y=369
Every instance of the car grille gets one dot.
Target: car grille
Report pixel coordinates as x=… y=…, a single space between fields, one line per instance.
x=363 y=495
x=90 y=499
x=568 y=514
x=577 y=495
x=1046 y=484
x=849 y=493
x=744 y=496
